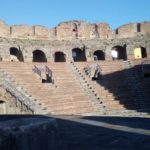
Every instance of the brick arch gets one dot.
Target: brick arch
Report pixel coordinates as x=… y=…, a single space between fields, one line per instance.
x=59 y=56
x=78 y=54
x=39 y=56
x=122 y=52
x=140 y=52
x=99 y=55
x=16 y=54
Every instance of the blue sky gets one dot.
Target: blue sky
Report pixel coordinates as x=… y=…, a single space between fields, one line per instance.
x=51 y=12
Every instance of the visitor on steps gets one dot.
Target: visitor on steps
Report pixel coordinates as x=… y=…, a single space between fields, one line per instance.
x=95 y=58
x=74 y=56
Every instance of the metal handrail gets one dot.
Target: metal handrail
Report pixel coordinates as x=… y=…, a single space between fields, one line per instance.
x=48 y=71
x=37 y=70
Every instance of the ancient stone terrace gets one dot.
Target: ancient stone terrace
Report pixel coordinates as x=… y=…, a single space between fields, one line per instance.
x=66 y=96
x=66 y=49
x=72 y=91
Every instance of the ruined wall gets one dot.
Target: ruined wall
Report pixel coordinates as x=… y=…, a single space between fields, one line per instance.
x=50 y=47
x=82 y=30
x=45 y=33
x=67 y=31
x=145 y=27
x=4 y=29
x=22 y=31
x=127 y=30
x=9 y=105
x=104 y=30
x=73 y=30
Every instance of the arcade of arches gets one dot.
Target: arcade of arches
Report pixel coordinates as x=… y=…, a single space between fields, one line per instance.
x=78 y=54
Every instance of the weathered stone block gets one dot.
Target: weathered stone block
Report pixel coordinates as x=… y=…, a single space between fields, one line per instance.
x=104 y=30
x=145 y=27
x=44 y=33
x=4 y=29
x=52 y=34
x=29 y=134
x=127 y=30
x=22 y=31
x=67 y=31
x=87 y=31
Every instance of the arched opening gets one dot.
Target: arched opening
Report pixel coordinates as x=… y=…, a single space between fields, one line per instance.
x=39 y=56
x=99 y=55
x=140 y=53
x=16 y=54
x=2 y=107
x=78 y=54
x=60 y=57
x=144 y=53
x=121 y=52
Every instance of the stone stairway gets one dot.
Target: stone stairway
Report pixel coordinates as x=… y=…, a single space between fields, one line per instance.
x=95 y=99
x=112 y=90
x=66 y=96
x=143 y=83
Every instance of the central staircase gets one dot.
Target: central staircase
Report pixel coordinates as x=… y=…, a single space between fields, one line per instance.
x=75 y=93
x=66 y=96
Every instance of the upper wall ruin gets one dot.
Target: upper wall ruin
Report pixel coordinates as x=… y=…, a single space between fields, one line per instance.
x=73 y=30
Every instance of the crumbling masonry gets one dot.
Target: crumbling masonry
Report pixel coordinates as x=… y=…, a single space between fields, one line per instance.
x=38 y=43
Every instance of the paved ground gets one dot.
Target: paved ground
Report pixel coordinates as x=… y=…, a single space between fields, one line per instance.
x=104 y=133
x=99 y=133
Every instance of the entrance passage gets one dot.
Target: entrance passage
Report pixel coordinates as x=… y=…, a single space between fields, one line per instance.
x=60 y=57
x=15 y=54
x=140 y=53
x=39 y=56
x=99 y=55
x=78 y=54
x=2 y=107
x=121 y=51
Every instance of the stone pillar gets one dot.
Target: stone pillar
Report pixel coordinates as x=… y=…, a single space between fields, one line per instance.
x=88 y=54
x=130 y=52
x=108 y=53
x=148 y=51
x=147 y=46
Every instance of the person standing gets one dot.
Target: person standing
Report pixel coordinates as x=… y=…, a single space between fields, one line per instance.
x=74 y=55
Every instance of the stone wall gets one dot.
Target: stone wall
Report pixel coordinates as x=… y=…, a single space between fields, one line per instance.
x=87 y=31
x=67 y=31
x=75 y=34
x=50 y=47
x=44 y=33
x=104 y=30
x=22 y=31
x=127 y=30
x=73 y=30
x=9 y=103
x=145 y=27
x=4 y=29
